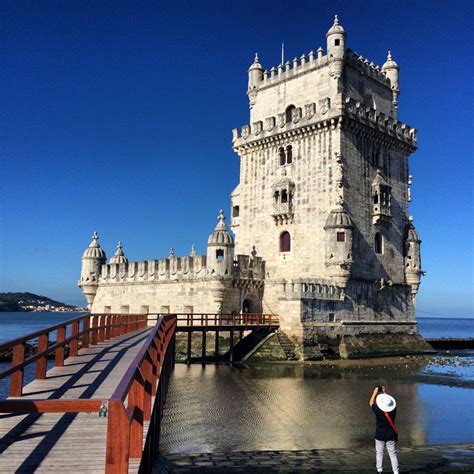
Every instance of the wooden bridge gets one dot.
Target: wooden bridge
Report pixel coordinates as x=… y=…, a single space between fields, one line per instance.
x=99 y=408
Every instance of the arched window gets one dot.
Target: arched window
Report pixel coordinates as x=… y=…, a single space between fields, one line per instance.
x=219 y=254
x=289 y=154
x=376 y=198
x=284 y=195
x=285 y=242
x=289 y=113
x=282 y=156
x=378 y=243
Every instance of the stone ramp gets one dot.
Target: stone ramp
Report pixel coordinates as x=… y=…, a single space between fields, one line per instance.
x=68 y=442
x=436 y=458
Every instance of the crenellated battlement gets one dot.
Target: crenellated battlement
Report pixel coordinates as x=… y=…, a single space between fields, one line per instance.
x=358 y=111
x=318 y=117
x=177 y=269
x=367 y=67
x=291 y=69
x=167 y=269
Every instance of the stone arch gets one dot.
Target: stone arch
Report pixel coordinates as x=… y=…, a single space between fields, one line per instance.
x=251 y=303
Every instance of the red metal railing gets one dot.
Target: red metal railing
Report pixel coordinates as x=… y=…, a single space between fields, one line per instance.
x=85 y=330
x=213 y=319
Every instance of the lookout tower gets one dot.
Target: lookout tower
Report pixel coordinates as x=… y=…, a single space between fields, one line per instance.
x=323 y=193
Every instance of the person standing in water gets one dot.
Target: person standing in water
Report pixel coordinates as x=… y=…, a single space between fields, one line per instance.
x=386 y=435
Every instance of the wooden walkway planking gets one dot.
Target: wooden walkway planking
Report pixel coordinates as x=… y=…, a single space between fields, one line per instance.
x=68 y=442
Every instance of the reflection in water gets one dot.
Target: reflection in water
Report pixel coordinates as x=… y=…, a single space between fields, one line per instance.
x=292 y=407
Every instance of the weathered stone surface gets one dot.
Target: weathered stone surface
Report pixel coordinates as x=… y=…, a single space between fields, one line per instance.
x=376 y=345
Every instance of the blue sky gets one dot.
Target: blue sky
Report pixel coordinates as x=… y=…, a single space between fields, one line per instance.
x=117 y=116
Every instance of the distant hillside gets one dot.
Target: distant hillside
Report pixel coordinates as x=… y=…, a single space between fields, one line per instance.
x=31 y=302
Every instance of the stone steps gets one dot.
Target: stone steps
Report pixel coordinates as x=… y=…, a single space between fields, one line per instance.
x=287 y=346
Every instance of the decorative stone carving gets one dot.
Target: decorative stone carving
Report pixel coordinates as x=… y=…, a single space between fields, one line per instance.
x=324 y=105
x=310 y=110
x=269 y=123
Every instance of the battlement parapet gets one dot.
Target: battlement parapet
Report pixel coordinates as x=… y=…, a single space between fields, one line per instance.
x=379 y=120
x=292 y=69
x=368 y=68
x=177 y=268
x=317 y=116
x=173 y=268
x=247 y=267
x=313 y=117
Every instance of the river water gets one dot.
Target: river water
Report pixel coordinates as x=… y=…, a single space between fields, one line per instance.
x=307 y=405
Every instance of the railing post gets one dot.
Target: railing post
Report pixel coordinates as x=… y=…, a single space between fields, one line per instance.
x=95 y=320
x=42 y=362
x=101 y=330
x=86 y=324
x=107 y=326
x=16 y=380
x=59 y=353
x=135 y=405
x=73 y=346
x=118 y=439
x=147 y=370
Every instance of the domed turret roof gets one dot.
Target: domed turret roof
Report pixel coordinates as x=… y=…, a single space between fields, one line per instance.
x=336 y=28
x=94 y=250
x=119 y=256
x=256 y=64
x=339 y=218
x=389 y=63
x=221 y=235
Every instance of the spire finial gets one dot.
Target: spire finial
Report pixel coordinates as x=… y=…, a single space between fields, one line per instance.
x=221 y=216
x=193 y=251
x=256 y=60
x=119 y=245
x=171 y=252
x=389 y=56
x=95 y=235
x=336 y=20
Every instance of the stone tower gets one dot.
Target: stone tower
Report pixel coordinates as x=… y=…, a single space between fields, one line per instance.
x=92 y=261
x=323 y=196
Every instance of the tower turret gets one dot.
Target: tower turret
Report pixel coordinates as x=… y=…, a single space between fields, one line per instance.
x=413 y=270
x=336 y=47
x=339 y=229
x=92 y=260
x=391 y=70
x=220 y=249
x=255 y=77
x=119 y=256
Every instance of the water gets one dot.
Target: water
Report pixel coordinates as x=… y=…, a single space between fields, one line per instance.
x=305 y=406
x=446 y=327
x=13 y=325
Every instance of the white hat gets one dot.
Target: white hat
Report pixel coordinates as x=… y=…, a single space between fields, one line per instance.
x=385 y=402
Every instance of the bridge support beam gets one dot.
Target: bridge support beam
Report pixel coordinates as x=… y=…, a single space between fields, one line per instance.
x=216 y=347
x=203 y=348
x=231 y=349
x=188 y=351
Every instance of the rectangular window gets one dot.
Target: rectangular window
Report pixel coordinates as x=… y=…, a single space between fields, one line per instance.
x=331 y=317
x=235 y=211
x=341 y=237
x=220 y=254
